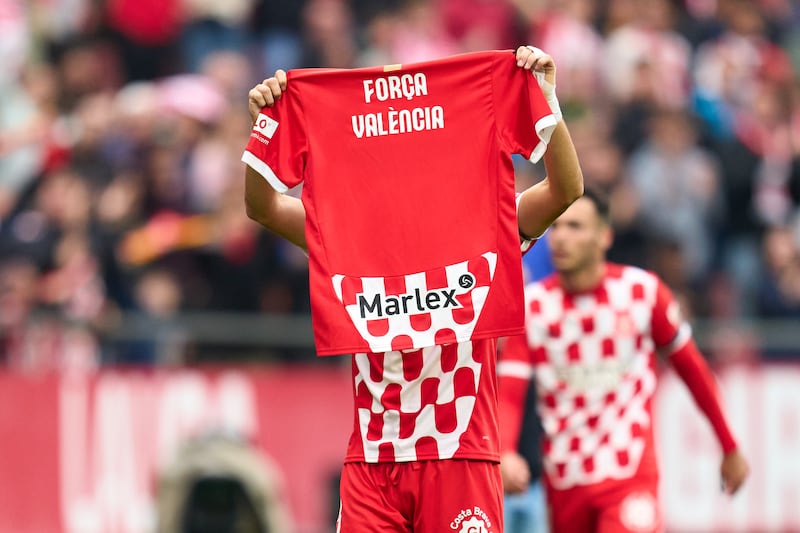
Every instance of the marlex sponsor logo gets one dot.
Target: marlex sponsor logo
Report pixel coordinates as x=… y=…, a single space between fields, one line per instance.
x=379 y=306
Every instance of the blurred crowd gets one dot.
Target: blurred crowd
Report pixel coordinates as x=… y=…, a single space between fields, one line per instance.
x=122 y=123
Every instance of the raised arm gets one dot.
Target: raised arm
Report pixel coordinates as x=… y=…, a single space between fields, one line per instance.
x=543 y=202
x=281 y=214
x=672 y=334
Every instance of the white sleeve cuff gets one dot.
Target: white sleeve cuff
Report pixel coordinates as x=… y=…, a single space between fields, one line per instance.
x=262 y=168
x=544 y=129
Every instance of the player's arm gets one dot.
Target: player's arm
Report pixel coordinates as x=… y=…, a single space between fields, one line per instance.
x=673 y=335
x=543 y=202
x=282 y=214
x=514 y=373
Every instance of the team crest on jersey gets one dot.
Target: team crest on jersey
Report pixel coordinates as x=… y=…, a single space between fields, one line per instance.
x=416 y=310
x=471 y=520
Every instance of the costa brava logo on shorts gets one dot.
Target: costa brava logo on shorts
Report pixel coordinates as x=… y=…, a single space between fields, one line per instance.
x=471 y=520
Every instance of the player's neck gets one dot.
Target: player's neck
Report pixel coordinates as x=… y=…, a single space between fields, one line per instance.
x=585 y=279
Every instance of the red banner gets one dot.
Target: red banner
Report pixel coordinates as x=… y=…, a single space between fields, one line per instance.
x=81 y=454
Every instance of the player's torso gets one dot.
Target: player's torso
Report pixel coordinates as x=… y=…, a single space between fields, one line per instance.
x=596 y=378
x=433 y=403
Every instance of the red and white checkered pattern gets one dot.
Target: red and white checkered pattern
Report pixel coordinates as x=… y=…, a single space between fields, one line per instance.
x=416 y=329
x=424 y=404
x=592 y=355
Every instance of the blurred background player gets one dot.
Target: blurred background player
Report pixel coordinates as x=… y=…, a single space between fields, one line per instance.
x=592 y=333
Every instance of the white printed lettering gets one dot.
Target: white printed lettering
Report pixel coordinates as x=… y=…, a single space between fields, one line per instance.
x=406 y=86
x=398 y=121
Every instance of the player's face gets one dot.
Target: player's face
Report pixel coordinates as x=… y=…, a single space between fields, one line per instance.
x=578 y=238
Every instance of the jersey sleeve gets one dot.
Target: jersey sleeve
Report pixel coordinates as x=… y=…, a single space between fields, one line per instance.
x=524 y=120
x=672 y=333
x=277 y=145
x=670 y=329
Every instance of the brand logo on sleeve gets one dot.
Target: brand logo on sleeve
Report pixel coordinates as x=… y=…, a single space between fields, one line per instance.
x=266 y=125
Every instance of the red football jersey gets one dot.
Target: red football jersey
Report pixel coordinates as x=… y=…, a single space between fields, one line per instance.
x=592 y=356
x=438 y=402
x=409 y=195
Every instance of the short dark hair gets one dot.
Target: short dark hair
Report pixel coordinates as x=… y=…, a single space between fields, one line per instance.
x=600 y=201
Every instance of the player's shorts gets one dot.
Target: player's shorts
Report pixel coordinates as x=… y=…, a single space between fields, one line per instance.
x=625 y=506
x=460 y=496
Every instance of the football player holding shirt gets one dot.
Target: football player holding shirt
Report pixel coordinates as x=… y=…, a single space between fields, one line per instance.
x=424 y=451
x=592 y=332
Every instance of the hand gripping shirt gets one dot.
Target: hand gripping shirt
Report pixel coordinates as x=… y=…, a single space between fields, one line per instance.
x=408 y=188
x=592 y=355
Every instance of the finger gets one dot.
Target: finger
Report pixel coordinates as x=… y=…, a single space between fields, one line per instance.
x=736 y=485
x=256 y=97
x=280 y=75
x=543 y=63
x=523 y=52
x=731 y=486
x=530 y=61
x=534 y=57
x=274 y=87
x=266 y=94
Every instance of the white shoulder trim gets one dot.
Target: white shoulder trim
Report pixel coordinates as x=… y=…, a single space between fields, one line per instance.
x=681 y=338
x=544 y=129
x=262 y=168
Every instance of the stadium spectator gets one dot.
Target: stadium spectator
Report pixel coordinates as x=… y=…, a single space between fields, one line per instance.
x=278 y=29
x=593 y=330
x=66 y=103
x=566 y=30
x=647 y=38
x=677 y=185
x=146 y=35
x=210 y=27
x=779 y=288
x=409 y=479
